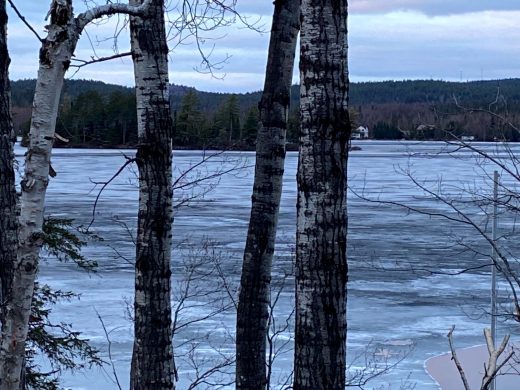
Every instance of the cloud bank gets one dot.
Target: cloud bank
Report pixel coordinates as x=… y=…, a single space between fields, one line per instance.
x=398 y=39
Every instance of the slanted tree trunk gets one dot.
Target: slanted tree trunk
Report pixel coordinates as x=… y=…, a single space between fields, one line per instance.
x=152 y=360
x=55 y=54
x=321 y=264
x=253 y=303
x=8 y=220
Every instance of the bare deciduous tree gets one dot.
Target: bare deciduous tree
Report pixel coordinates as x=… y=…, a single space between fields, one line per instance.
x=321 y=263
x=254 y=298
x=493 y=366
x=8 y=223
x=63 y=33
x=152 y=359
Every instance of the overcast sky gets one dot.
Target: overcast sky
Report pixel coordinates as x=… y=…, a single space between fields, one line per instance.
x=388 y=40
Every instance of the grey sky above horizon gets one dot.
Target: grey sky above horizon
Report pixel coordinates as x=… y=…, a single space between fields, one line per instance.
x=388 y=40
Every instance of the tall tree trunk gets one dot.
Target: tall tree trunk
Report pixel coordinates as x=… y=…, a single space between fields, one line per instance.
x=253 y=304
x=321 y=264
x=8 y=219
x=152 y=360
x=55 y=54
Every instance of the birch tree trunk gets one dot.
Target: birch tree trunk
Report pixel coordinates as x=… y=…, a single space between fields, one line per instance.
x=8 y=219
x=321 y=264
x=55 y=54
x=253 y=303
x=152 y=360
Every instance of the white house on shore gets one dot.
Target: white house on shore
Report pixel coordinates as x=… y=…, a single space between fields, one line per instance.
x=360 y=133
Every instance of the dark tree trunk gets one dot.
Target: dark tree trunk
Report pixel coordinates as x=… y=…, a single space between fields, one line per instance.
x=253 y=304
x=55 y=55
x=321 y=264
x=8 y=219
x=152 y=360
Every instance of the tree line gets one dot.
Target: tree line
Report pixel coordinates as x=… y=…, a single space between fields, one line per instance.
x=96 y=114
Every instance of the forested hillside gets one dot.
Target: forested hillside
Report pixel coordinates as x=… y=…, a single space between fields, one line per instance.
x=97 y=114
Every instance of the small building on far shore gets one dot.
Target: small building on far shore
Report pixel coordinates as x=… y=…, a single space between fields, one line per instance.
x=360 y=133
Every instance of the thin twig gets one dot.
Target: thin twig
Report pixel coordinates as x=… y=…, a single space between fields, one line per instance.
x=109 y=351
x=100 y=59
x=456 y=359
x=105 y=184
x=22 y=18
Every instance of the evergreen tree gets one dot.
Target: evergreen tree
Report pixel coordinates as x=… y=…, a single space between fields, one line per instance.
x=250 y=128
x=384 y=130
x=228 y=121
x=190 y=122
x=121 y=126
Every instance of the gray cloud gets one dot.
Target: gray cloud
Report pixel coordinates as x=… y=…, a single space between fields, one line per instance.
x=399 y=39
x=407 y=45
x=432 y=7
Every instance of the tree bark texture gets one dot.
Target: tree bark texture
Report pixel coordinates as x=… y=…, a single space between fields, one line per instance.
x=55 y=54
x=152 y=360
x=321 y=264
x=8 y=218
x=253 y=303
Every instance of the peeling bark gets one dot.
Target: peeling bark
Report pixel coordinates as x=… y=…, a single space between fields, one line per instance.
x=55 y=54
x=152 y=360
x=56 y=49
x=253 y=303
x=321 y=264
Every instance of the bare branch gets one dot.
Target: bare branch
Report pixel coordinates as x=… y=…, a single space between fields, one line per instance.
x=104 y=185
x=487 y=111
x=375 y=363
x=456 y=359
x=22 y=18
x=111 y=9
x=114 y=373
x=492 y=369
x=198 y=17
x=503 y=266
x=100 y=59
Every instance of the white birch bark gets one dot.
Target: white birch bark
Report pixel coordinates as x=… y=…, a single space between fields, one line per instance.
x=152 y=359
x=321 y=264
x=55 y=54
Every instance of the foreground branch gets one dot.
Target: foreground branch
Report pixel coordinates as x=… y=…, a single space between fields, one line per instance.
x=83 y=63
x=111 y=9
x=456 y=359
x=493 y=368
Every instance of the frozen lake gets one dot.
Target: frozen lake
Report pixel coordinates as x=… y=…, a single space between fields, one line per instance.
x=395 y=302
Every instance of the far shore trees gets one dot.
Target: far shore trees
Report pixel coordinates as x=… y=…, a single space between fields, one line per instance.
x=254 y=298
x=321 y=232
